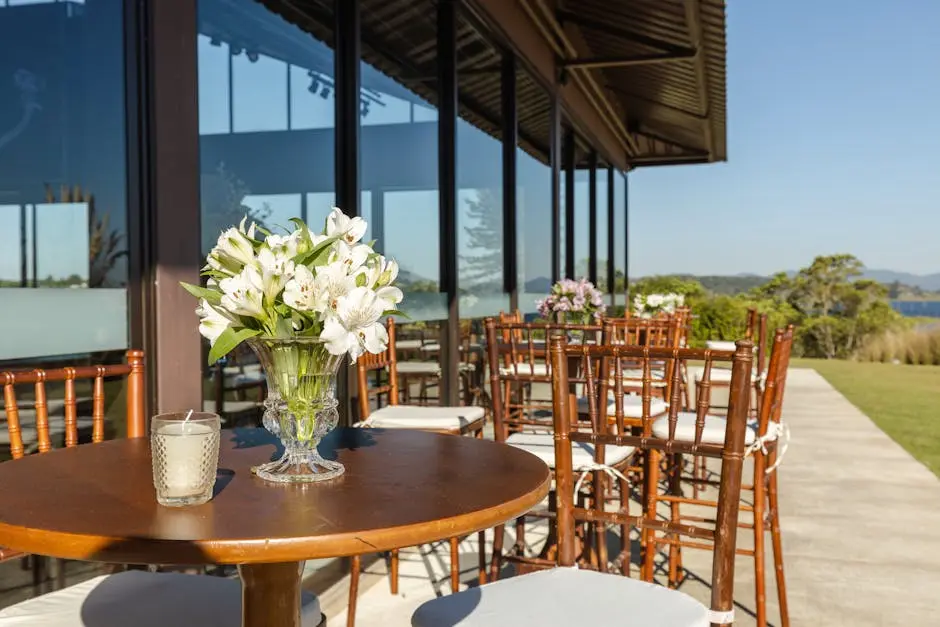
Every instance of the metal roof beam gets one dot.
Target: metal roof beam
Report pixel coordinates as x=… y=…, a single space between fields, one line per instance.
x=594 y=63
x=639 y=38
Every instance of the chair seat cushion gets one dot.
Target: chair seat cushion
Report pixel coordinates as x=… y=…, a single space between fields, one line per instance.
x=431 y=368
x=713 y=433
x=632 y=406
x=424 y=417
x=564 y=596
x=721 y=345
x=542 y=445
x=143 y=599
x=525 y=370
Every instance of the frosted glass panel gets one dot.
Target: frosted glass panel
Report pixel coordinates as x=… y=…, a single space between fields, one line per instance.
x=45 y=322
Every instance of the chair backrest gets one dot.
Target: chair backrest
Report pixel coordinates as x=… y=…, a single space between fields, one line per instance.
x=607 y=432
x=517 y=358
x=771 y=404
x=386 y=362
x=136 y=420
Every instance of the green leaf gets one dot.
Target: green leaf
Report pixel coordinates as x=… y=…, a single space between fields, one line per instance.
x=317 y=256
x=212 y=296
x=361 y=280
x=395 y=312
x=227 y=342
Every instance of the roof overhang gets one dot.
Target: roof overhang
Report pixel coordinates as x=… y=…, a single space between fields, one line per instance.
x=644 y=80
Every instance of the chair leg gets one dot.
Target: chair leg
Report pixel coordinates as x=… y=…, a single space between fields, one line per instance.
x=778 y=551
x=481 y=540
x=39 y=564
x=496 y=563
x=760 y=503
x=455 y=565
x=520 y=536
x=652 y=489
x=675 y=490
x=353 y=591
x=625 y=546
x=60 y=574
x=393 y=572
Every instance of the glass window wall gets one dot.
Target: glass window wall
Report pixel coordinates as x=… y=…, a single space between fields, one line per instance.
x=63 y=197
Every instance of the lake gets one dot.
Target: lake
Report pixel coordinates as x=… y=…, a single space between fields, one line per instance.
x=924 y=308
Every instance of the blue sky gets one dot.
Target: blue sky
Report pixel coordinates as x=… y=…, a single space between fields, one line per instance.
x=833 y=137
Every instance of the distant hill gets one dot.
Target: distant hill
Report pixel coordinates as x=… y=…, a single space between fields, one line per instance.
x=926 y=282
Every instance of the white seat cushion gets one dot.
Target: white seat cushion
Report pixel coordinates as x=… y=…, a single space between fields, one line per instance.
x=713 y=433
x=419 y=367
x=718 y=375
x=564 y=596
x=632 y=406
x=525 y=370
x=721 y=345
x=143 y=599
x=634 y=377
x=422 y=417
x=542 y=445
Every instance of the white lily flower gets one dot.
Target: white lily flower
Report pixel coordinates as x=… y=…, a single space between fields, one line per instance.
x=276 y=270
x=233 y=245
x=288 y=245
x=351 y=256
x=355 y=328
x=331 y=283
x=251 y=229
x=390 y=296
x=299 y=292
x=243 y=294
x=350 y=230
x=212 y=322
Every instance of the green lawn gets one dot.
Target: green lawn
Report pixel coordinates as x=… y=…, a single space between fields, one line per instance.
x=902 y=400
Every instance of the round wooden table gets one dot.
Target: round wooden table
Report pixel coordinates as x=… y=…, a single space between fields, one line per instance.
x=401 y=488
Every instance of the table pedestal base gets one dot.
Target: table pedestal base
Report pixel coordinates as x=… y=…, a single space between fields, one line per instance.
x=271 y=594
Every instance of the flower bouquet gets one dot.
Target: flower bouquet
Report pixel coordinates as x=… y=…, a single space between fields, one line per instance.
x=302 y=301
x=570 y=301
x=649 y=305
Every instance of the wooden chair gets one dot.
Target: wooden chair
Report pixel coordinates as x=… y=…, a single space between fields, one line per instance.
x=518 y=362
x=182 y=598
x=393 y=415
x=568 y=595
x=763 y=441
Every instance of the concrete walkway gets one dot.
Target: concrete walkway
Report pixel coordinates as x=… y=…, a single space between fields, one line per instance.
x=861 y=525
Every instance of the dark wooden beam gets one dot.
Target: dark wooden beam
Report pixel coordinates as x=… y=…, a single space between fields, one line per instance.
x=693 y=18
x=595 y=63
x=621 y=33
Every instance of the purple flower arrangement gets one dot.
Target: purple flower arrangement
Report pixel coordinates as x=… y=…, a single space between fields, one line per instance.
x=573 y=301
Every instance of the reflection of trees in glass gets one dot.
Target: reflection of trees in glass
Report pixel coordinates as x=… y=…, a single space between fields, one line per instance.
x=483 y=270
x=104 y=244
x=223 y=196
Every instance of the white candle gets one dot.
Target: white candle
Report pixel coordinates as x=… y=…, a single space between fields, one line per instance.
x=188 y=448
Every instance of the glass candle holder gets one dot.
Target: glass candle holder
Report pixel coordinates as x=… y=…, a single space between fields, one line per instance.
x=185 y=457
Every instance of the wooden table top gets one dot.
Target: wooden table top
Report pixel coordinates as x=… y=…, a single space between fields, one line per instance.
x=401 y=488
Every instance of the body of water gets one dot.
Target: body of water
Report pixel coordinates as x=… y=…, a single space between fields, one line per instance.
x=925 y=308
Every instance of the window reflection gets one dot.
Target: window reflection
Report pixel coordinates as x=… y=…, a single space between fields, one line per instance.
x=620 y=236
x=582 y=226
x=63 y=206
x=602 y=227
x=266 y=119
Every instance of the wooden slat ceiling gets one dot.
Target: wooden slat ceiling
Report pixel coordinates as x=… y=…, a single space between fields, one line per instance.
x=675 y=110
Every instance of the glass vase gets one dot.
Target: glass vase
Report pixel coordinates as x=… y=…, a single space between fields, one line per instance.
x=300 y=408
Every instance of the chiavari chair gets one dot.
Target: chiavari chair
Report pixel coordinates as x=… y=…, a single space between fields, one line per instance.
x=567 y=591
x=394 y=415
x=766 y=441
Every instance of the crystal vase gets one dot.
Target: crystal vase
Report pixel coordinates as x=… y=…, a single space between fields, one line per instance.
x=300 y=408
